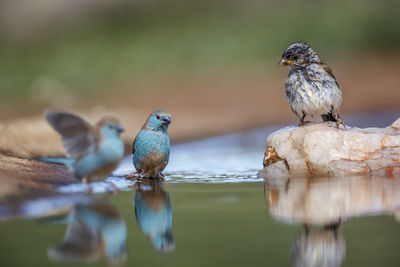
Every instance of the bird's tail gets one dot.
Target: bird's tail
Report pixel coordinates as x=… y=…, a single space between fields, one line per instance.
x=65 y=161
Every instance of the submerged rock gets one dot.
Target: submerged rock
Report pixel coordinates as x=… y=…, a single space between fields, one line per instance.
x=322 y=149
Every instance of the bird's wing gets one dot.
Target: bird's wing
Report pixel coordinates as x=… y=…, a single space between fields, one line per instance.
x=133 y=149
x=330 y=72
x=78 y=134
x=80 y=243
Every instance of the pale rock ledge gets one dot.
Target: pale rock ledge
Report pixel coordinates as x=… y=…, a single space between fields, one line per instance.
x=321 y=149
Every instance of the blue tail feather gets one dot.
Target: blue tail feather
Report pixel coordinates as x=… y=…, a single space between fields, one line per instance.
x=64 y=161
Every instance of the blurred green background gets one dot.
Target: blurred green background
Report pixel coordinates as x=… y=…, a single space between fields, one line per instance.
x=191 y=56
x=94 y=45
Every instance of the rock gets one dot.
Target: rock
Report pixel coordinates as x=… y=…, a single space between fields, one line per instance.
x=323 y=150
x=20 y=176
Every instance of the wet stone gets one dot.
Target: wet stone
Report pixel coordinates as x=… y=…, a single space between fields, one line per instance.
x=321 y=149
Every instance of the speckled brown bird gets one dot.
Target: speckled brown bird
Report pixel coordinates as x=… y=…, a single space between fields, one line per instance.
x=311 y=87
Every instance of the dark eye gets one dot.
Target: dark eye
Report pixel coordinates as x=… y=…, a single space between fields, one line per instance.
x=158 y=117
x=295 y=57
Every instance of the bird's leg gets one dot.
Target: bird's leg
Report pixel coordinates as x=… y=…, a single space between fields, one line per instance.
x=338 y=120
x=89 y=186
x=335 y=227
x=302 y=122
x=306 y=229
x=115 y=189
x=161 y=177
x=333 y=116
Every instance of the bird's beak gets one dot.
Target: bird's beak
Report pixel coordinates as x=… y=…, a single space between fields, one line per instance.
x=167 y=119
x=284 y=62
x=120 y=129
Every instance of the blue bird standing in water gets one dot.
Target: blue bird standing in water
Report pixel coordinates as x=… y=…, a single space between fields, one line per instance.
x=93 y=151
x=151 y=146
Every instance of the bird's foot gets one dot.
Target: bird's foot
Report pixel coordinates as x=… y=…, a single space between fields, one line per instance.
x=340 y=122
x=90 y=189
x=304 y=123
x=132 y=176
x=89 y=186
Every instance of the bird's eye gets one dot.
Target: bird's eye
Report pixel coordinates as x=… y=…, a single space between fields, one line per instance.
x=158 y=117
x=295 y=57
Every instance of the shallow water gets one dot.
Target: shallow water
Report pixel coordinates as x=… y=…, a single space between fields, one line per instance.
x=214 y=211
x=233 y=158
x=201 y=225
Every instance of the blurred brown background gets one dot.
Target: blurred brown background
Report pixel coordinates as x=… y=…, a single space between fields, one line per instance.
x=211 y=64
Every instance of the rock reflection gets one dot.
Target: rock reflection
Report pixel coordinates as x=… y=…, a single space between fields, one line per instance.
x=153 y=212
x=322 y=205
x=96 y=230
x=316 y=246
x=328 y=200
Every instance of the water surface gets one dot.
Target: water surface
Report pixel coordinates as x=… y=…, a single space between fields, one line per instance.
x=213 y=211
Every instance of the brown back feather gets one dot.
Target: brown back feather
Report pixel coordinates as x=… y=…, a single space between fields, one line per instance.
x=330 y=72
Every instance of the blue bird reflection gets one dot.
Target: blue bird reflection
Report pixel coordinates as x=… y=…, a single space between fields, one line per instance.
x=96 y=230
x=153 y=212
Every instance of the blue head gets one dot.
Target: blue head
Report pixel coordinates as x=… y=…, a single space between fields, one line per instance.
x=158 y=120
x=110 y=127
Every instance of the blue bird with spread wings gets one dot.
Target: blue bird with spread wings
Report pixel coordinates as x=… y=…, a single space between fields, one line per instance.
x=95 y=230
x=93 y=150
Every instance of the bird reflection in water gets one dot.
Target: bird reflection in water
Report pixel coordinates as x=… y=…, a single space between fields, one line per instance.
x=315 y=246
x=153 y=212
x=95 y=230
x=322 y=205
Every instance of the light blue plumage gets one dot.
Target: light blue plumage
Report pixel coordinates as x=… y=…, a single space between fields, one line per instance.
x=152 y=146
x=93 y=151
x=94 y=230
x=153 y=212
